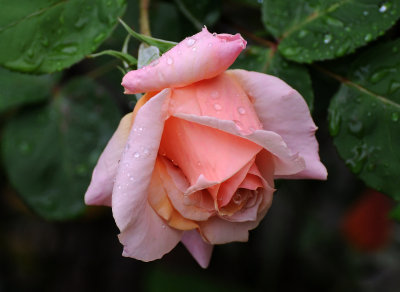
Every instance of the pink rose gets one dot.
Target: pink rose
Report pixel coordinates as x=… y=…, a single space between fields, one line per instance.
x=196 y=160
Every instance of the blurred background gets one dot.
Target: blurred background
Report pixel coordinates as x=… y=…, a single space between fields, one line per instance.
x=334 y=235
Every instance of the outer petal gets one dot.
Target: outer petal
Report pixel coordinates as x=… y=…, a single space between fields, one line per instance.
x=218 y=231
x=281 y=109
x=199 y=57
x=200 y=250
x=144 y=234
x=284 y=162
x=100 y=188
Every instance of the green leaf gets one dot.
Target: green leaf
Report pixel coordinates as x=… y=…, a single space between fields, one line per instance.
x=49 y=152
x=43 y=36
x=319 y=30
x=122 y=56
x=269 y=61
x=19 y=89
x=200 y=12
x=395 y=213
x=161 y=44
x=364 y=118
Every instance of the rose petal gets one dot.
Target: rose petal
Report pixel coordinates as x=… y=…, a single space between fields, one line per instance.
x=221 y=97
x=217 y=230
x=281 y=109
x=199 y=249
x=178 y=199
x=101 y=185
x=199 y=57
x=188 y=145
x=285 y=163
x=144 y=234
x=160 y=187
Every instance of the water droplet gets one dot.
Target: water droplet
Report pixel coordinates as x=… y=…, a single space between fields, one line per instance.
x=302 y=33
x=378 y=76
x=119 y=187
x=291 y=51
x=174 y=162
x=383 y=8
x=131 y=178
x=81 y=22
x=163 y=226
x=190 y=42
x=146 y=152
x=99 y=38
x=356 y=163
x=194 y=49
x=368 y=37
x=217 y=107
x=136 y=154
x=170 y=61
x=69 y=49
x=334 y=122
x=327 y=39
x=355 y=127
x=241 y=110
x=333 y=21
x=342 y=50
x=214 y=94
x=394 y=86
x=395 y=117
x=365 y=13
x=239 y=125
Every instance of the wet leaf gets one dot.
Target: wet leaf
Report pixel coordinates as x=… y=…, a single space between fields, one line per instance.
x=43 y=36
x=19 y=89
x=319 y=30
x=269 y=61
x=200 y=12
x=49 y=152
x=364 y=118
x=162 y=45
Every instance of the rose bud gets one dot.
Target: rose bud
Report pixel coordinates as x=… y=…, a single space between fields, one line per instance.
x=196 y=160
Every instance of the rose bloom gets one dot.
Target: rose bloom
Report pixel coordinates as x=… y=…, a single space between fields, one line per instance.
x=196 y=160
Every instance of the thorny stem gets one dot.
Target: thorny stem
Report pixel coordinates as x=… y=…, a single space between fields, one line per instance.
x=144 y=17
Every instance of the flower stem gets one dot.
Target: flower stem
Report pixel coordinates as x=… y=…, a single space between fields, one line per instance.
x=144 y=17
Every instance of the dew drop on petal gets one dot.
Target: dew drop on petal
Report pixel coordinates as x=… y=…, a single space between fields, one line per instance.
x=217 y=107
x=136 y=155
x=170 y=61
x=214 y=94
x=241 y=110
x=190 y=42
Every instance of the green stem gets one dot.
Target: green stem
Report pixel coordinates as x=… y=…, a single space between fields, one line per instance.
x=144 y=17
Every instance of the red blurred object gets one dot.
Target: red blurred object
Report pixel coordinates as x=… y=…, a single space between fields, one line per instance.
x=366 y=225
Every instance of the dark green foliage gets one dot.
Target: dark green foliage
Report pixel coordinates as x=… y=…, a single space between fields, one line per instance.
x=43 y=36
x=270 y=61
x=365 y=118
x=18 y=89
x=324 y=29
x=49 y=152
